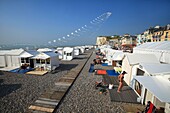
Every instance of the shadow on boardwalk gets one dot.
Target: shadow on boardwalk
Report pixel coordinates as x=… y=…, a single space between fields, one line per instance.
x=64 y=67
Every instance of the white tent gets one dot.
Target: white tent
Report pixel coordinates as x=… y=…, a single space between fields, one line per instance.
x=3 y=62
x=68 y=53
x=47 y=60
x=10 y=58
x=158 y=86
x=133 y=59
x=160 y=49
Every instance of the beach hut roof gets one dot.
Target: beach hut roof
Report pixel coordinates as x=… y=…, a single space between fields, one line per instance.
x=60 y=48
x=12 y=52
x=68 y=49
x=153 y=83
x=45 y=55
x=155 y=68
x=29 y=53
x=163 y=46
x=136 y=58
x=118 y=55
x=44 y=50
x=3 y=52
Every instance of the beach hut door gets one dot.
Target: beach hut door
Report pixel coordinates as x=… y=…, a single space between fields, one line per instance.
x=32 y=63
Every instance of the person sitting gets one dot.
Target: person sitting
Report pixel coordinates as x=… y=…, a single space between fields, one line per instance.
x=103 y=91
x=94 y=61
x=98 y=84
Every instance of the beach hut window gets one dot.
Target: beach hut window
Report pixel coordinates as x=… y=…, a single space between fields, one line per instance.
x=68 y=54
x=22 y=60
x=27 y=60
x=48 y=61
x=138 y=87
x=42 y=61
x=38 y=61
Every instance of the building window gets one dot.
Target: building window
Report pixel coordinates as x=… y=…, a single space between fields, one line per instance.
x=166 y=36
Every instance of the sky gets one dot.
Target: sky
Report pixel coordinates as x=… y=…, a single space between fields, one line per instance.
x=55 y=22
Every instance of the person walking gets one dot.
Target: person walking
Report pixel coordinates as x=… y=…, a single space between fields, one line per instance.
x=120 y=79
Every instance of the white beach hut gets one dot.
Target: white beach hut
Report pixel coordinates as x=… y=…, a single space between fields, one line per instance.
x=156 y=90
x=76 y=52
x=81 y=49
x=149 y=69
x=68 y=53
x=60 y=52
x=46 y=60
x=132 y=59
x=26 y=57
x=117 y=58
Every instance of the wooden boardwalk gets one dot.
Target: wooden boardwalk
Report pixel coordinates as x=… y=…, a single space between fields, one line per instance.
x=51 y=98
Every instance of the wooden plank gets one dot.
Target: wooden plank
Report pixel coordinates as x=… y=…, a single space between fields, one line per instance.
x=38 y=108
x=47 y=99
x=46 y=102
x=62 y=83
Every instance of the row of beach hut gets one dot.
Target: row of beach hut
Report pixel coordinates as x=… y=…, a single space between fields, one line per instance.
x=44 y=58
x=148 y=71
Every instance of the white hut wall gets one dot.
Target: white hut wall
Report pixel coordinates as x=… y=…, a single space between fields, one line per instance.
x=2 y=61
x=60 y=54
x=54 y=61
x=158 y=103
x=76 y=52
x=167 y=108
x=148 y=97
x=128 y=68
x=13 y=61
x=165 y=58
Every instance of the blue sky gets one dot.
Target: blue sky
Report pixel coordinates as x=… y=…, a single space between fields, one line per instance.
x=43 y=21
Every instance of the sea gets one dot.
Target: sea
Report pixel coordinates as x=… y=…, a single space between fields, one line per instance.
x=31 y=47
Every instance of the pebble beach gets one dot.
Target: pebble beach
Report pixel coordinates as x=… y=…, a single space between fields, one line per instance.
x=19 y=91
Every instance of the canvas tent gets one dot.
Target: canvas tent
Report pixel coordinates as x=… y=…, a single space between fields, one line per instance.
x=10 y=58
x=3 y=62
